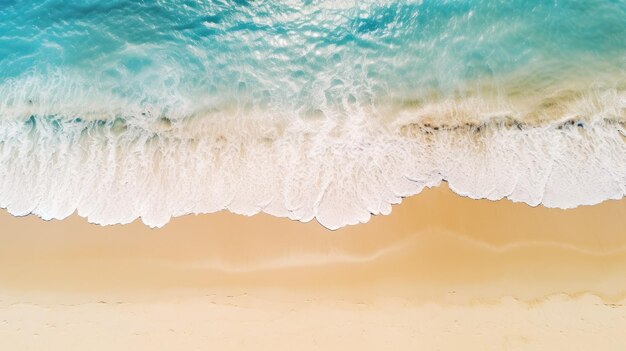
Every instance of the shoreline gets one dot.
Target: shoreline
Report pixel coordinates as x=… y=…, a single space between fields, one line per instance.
x=436 y=238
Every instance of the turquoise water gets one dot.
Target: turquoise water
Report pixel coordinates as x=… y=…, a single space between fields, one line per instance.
x=179 y=57
x=126 y=109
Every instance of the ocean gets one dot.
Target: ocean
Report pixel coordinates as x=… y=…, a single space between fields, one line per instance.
x=326 y=110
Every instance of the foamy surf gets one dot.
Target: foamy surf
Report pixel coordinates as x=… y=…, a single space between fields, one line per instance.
x=307 y=111
x=112 y=171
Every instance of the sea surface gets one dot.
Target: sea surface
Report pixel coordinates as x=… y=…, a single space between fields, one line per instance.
x=327 y=110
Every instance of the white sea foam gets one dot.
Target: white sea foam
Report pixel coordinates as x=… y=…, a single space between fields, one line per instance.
x=338 y=171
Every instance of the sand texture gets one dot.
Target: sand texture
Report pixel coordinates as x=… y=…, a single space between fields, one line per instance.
x=442 y=272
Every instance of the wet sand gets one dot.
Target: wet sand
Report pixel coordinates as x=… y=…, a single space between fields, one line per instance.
x=441 y=272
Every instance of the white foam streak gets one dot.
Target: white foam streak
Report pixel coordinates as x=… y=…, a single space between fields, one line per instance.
x=339 y=174
x=113 y=160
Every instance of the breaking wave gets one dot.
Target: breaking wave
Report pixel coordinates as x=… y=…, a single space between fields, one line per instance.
x=333 y=110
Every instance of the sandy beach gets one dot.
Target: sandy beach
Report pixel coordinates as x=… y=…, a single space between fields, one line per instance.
x=312 y=175
x=441 y=272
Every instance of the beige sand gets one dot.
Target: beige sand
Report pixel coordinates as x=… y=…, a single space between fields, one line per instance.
x=441 y=272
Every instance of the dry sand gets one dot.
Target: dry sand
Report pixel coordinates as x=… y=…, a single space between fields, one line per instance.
x=441 y=272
